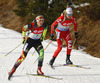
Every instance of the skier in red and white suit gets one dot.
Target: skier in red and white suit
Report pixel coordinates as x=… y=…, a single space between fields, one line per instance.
x=62 y=31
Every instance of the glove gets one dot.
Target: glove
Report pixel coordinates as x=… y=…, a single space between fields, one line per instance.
x=23 y=40
x=76 y=35
x=52 y=36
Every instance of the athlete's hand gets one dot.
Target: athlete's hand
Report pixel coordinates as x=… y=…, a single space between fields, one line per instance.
x=76 y=35
x=52 y=36
x=23 y=40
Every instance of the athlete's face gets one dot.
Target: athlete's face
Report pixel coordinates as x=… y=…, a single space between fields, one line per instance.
x=68 y=16
x=40 y=22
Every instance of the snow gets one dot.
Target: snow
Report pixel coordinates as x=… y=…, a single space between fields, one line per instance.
x=9 y=39
x=81 y=5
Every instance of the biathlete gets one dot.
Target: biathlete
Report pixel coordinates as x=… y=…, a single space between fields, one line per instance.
x=62 y=31
x=38 y=32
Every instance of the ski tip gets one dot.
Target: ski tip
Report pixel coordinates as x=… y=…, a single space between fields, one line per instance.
x=60 y=78
x=87 y=68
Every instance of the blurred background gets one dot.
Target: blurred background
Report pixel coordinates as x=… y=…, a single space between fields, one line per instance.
x=14 y=14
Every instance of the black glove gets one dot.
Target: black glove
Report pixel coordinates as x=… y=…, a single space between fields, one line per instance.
x=76 y=35
x=23 y=40
x=52 y=36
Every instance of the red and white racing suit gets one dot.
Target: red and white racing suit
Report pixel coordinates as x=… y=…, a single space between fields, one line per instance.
x=62 y=31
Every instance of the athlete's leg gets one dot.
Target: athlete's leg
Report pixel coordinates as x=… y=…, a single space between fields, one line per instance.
x=39 y=48
x=68 y=41
x=59 y=48
x=25 y=50
x=69 y=46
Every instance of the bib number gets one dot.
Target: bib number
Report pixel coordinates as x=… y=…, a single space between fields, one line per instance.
x=65 y=27
x=35 y=36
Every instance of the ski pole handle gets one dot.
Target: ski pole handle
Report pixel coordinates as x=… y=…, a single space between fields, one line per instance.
x=12 y=50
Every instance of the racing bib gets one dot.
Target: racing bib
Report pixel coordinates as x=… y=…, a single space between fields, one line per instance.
x=35 y=36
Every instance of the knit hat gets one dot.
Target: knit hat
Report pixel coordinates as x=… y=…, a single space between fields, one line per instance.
x=69 y=10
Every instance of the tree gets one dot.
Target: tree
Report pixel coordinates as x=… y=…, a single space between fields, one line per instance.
x=22 y=8
x=33 y=8
x=92 y=11
x=50 y=10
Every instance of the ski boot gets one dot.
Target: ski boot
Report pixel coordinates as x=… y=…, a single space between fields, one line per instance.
x=68 y=61
x=39 y=72
x=51 y=62
x=11 y=73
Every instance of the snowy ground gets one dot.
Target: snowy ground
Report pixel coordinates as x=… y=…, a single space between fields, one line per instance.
x=9 y=39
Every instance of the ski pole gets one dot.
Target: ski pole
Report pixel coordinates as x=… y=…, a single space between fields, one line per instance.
x=48 y=45
x=33 y=52
x=12 y=50
x=74 y=43
x=44 y=50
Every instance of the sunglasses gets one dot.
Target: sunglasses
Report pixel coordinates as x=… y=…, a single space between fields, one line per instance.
x=69 y=14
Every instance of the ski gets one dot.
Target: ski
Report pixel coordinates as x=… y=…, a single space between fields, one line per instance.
x=72 y=65
x=46 y=76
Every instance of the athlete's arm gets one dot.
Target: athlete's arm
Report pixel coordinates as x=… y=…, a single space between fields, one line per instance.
x=44 y=32
x=75 y=24
x=26 y=28
x=75 y=27
x=59 y=20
